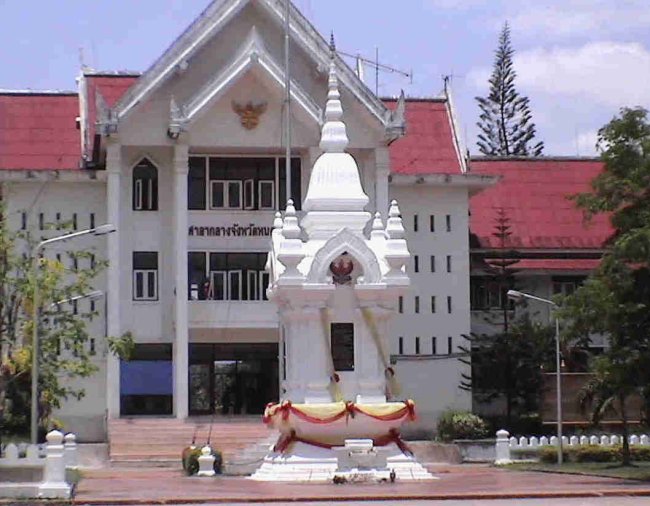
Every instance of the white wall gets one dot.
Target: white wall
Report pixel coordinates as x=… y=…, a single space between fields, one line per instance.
x=86 y=416
x=432 y=381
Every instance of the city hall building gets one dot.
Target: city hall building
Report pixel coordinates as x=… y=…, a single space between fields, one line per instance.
x=187 y=161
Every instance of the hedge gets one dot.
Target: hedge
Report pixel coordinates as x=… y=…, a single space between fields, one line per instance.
x=594 y=453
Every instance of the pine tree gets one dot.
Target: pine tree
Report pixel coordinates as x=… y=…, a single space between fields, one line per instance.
x=505 y=119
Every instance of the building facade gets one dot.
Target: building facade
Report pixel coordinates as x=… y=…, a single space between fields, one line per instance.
x=187 y=161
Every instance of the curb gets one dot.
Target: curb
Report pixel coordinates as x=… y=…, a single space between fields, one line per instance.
x=395 y=497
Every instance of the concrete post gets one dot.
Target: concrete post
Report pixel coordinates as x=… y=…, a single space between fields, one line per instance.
x=382 y=171
x=113 y=298
x=54 y=485
x=502 y=448
x=181 y=346
x=206 y=462
x=70 y=450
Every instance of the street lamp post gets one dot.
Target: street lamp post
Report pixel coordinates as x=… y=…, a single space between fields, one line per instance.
x=517 y=295
x=101 y=230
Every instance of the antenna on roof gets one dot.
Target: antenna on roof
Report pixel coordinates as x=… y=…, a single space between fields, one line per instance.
x=378 y=67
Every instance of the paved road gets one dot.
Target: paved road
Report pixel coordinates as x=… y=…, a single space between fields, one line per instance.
x=613 y=501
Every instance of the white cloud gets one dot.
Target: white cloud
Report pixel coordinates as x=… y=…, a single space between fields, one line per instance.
x=586 y=143
x=610 y=73
x=570 y=18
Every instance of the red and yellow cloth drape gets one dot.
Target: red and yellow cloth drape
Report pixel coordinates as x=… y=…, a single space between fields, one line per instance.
x=331 y=412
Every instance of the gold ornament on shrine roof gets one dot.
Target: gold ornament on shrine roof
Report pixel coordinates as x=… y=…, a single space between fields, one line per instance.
x=249 y=114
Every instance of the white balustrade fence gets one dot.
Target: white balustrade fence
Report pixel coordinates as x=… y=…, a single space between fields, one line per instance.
x=55 y=456
x=505 y=444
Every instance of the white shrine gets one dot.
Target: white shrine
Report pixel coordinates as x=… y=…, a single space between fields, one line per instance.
x=336 y=288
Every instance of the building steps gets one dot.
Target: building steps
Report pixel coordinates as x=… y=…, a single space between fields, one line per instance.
x=159 y=442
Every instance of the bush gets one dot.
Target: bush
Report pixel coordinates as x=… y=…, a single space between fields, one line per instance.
x=461 y=425
x=594 y=453
x=190 y=459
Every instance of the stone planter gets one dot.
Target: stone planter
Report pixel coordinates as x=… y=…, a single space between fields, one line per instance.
x=476 y=450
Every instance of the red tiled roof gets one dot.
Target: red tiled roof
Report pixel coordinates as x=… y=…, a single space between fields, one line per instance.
x=534 y=192
x=39 y=131
x=111 y=87
x=428 y=146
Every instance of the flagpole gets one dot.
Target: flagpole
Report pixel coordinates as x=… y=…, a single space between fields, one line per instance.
x=287 y=108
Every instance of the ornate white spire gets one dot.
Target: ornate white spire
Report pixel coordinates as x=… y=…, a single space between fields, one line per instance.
x=335 y=198
x=334 y=137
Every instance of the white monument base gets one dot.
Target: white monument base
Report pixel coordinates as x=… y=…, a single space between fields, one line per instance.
x=307 y=463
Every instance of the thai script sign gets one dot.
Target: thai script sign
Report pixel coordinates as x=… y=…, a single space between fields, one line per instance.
x=234 y=230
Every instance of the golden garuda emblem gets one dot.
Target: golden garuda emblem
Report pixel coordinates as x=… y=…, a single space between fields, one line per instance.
x=249 y=114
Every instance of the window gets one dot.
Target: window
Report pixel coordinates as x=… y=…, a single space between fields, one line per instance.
x=434 y=346
x=74 y=221
x=566 y=285
x=41 y=221
x=400 y=303
x=417 y=345
x=92 y=261
x=448 y=222
x=92 y=346
x=416 y=263
x=93 y=306
x=241 y=183
x=58 y=221
x=266 y=194
x=75 y=263
x=145 y=275
x=227 y=276
x=433 y=263
x=432 y=223
x=415 y=223
x=417 y=304
x=225 y=194
x=400 y=346
x=448 y=263
x=449 y=304
x=145 y=186
x=486 y=293
x=75 y=307
x=342 y=344
x=450 y=347
x=92 y=220
x=23 y=220
x=433 y=304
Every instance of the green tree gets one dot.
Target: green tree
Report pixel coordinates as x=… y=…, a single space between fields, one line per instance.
x=510 y=366
x=505 y=120
x=615 y=300
x=64 y=353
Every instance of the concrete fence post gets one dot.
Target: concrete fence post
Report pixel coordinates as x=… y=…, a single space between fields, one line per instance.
x=502 y=448
x=70 y=450
x=206 y=462
x=54 y=485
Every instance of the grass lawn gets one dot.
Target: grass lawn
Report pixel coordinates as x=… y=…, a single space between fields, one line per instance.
x=639 y=471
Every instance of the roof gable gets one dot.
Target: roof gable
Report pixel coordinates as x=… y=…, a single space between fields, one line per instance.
x=429 y=145
x=214 y=18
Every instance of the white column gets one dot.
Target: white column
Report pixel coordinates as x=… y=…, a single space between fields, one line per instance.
x=181 y=352
x=113 y=327
x=382 y=171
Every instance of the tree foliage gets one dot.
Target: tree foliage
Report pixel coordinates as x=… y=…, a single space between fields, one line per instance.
x=510 y=365
x=615 y=300
x=64 y=352
x=505 y=120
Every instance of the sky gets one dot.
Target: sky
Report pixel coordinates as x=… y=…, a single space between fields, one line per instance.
x=579 y=61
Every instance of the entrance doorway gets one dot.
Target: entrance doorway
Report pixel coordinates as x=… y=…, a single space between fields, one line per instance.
x=232 y=379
